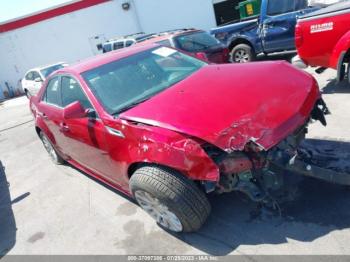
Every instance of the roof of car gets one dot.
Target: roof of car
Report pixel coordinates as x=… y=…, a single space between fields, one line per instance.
x=135 y=37
x=96 y=61
x=38 y=68
x=167 y=34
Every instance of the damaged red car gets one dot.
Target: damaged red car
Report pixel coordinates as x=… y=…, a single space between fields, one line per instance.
x=167 y=128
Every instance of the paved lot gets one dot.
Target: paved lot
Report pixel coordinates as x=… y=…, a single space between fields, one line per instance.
x=49 y=209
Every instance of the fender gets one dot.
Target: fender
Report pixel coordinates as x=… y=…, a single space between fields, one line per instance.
x=244 y=39
x=342 y=46
x=162 y=147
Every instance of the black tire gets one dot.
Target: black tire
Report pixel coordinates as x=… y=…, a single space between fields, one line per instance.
x=242 y=53
x=178 y=194
x=27 y=93
x=55 y=157
x=348 y=73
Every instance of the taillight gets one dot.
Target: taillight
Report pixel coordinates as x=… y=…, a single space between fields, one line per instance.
x=202 y=56
x=226 y=54
x=298 y=36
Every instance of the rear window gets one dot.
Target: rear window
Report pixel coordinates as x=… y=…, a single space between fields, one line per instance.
x=49 y=70
x=277 y=7
x=195 y=42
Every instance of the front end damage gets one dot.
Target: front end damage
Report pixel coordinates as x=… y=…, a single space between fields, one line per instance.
x=260 y=173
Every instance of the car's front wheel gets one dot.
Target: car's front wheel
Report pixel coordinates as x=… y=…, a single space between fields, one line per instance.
x=174 y=201
x=56 y=158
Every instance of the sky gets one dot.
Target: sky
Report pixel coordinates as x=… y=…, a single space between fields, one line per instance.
x=10 y=9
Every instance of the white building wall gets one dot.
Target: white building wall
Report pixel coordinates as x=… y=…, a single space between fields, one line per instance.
x=63 y=38
x=161 y=15
x=71 y=37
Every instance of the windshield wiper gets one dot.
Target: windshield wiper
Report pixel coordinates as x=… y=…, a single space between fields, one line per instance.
x=129 y=106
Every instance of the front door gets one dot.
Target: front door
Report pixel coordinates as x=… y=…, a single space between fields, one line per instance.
x=85 y=138
x=278 y=28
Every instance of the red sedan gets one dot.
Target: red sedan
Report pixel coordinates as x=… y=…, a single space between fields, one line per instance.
x=167 y=128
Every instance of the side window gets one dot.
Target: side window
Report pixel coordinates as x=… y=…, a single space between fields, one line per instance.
x=301 y=4
x=165 y=43
x=29 y=76
x=52 y=93
x=118 y=45
x=107 y=48
x=36 y=75
x=129 y=43
x=72 y=92
x=276 y=7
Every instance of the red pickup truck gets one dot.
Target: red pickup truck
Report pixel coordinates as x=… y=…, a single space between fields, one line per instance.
x=323 y=39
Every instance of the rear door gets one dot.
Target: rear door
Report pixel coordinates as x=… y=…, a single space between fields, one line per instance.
x=51 y=112
x=278 y=28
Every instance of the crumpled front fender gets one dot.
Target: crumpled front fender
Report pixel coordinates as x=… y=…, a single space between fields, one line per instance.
x=149 y=144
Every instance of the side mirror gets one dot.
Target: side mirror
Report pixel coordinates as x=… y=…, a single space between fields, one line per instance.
x=38 y=79
x=74 y=110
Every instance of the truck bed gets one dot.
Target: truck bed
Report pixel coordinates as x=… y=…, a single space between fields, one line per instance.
x=340 y=8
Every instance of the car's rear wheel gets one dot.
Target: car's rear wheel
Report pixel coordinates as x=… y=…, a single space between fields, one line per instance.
x=242 y=53
x=174 y=201
x=56 y=158
x=348 y=73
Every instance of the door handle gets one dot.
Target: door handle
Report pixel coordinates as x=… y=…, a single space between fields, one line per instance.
x=43 y=115
x=64 y=127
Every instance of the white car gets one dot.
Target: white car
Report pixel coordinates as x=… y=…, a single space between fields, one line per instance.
x=34 y=78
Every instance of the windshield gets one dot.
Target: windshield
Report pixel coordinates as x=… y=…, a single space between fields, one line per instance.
x=124 y=83
x=47 y=71
x=197 y=41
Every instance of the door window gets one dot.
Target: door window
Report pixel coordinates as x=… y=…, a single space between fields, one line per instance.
x=107 y=48
x=276 y=7
x=72 y=92
x=29 y=76
x=52 y=93
x=301 y=4
x=129 y=43
x=118 y=45
x=36 y=76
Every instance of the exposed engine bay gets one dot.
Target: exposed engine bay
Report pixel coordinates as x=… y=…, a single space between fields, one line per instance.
x=260 y=174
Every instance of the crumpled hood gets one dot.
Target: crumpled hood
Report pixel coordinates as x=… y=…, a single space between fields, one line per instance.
x=231 y=105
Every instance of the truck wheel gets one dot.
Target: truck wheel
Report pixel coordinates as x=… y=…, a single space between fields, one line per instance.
x=174 y=201
x=51 y=150
x=242 y=53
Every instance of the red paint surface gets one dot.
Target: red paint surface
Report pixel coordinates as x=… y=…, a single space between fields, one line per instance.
x=230 y=105
x=226 y=105
x=323 y=48
x=22 y=22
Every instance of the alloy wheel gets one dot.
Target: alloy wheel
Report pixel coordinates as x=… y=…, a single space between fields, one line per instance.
x=159 y=211
x=241 y=56
x=49 y=148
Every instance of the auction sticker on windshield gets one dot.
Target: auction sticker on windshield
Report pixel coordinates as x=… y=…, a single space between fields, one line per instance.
x=164 y=51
